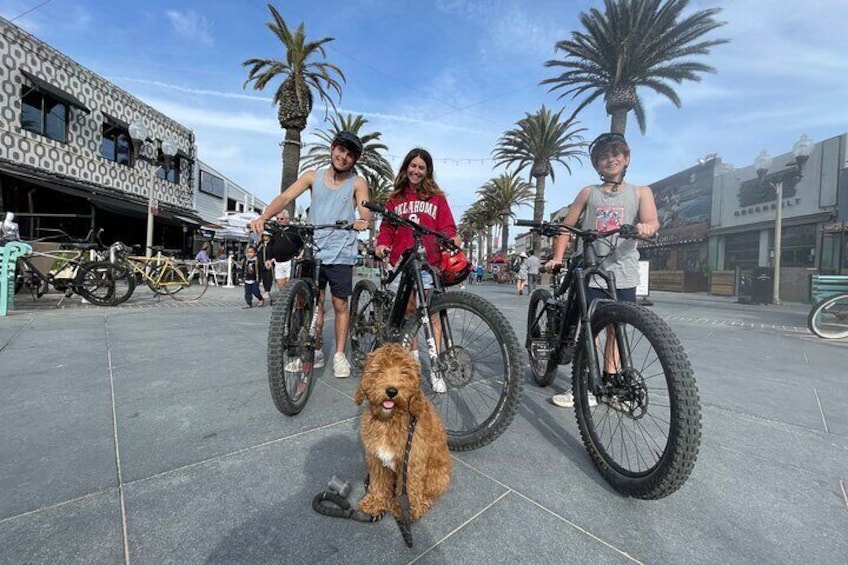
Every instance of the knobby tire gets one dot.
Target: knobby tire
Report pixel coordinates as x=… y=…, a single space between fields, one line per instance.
x=365 y=335
x=289 y=341
x=540 y=333
x=662 y=383
x=484 y=380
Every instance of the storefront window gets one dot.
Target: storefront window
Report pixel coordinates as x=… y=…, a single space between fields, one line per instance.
x=798 y=246
x=741 y=250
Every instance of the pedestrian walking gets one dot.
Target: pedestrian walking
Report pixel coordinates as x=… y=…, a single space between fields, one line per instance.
x=250 y=272
x=533 y=265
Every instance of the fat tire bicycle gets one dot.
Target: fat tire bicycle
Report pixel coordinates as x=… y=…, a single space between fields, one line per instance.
x=828 y=318
x=642 y=423
x=292 y=339
x=478 y=358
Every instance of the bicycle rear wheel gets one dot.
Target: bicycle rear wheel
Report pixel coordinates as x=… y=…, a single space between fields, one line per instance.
x=179 y=282
x=104 y=283
x=645 y=432
x=829 y=318
x=291 y=347
x=482 y=369
x=364 y=330
x=541 y=330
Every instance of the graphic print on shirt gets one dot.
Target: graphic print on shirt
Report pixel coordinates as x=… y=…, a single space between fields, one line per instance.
x=609 y=217
x=415 y=207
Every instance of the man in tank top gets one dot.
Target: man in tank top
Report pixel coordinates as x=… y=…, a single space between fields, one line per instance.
x=607 y=206
x=337 y=194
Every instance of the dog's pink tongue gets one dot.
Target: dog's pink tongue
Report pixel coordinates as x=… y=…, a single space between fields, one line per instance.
x=388 y=404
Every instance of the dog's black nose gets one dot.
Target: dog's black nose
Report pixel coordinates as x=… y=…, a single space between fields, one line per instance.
x=391 y=392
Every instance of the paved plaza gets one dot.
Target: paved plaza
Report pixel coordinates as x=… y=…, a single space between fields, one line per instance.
x=145 y=434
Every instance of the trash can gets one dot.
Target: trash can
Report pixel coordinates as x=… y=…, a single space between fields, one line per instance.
x=762 y=286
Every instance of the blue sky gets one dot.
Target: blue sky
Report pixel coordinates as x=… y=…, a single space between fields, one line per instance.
x=452 y=76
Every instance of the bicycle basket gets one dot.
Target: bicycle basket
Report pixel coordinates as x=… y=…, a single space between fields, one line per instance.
x=455 y=268
x=286 y=245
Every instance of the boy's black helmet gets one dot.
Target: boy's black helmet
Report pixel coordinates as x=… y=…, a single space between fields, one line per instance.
x=349 y=140
x=603 y=140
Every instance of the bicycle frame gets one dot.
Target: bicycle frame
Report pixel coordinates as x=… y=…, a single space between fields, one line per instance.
x=576 y=311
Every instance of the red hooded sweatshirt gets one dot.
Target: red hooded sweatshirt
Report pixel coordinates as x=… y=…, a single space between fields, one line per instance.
x=434 y=214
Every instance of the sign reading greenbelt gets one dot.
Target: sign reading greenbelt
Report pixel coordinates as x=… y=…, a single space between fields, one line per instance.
x=766 y=207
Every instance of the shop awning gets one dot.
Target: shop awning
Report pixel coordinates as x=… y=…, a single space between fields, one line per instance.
x=101 y=197
x=45 y=87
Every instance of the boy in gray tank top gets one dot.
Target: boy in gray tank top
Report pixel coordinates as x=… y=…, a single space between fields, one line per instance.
x=607 y=206
x=337 y=194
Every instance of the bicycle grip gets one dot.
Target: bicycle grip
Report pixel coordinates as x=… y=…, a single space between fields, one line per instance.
x=526 y=223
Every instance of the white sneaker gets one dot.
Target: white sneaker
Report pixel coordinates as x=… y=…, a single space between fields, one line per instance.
x=566 y=400
x=294 y=366
x=439 y=385
x=319 y=359
x=341 y=368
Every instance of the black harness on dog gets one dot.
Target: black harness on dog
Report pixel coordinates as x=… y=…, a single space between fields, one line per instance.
x=332 y=503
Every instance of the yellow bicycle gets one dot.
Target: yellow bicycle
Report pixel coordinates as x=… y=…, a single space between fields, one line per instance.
x=181 y=280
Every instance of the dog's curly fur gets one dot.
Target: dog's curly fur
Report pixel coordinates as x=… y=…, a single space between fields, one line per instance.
x=391 y=383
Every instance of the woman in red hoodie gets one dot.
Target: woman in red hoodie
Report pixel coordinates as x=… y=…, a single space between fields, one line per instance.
x=417 y=197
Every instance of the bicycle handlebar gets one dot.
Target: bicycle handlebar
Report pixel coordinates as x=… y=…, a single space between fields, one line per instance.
x=549 y=229
x=275 y=226
x=396 y=219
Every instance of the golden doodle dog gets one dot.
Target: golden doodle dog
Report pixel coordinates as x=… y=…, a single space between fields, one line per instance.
x=391 y=383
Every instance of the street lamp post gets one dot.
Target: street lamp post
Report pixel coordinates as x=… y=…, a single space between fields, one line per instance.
x=138 y=135
x=801 y=150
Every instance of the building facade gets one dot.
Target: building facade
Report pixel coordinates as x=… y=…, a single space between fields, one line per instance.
x=66 y=157
x=744 y=211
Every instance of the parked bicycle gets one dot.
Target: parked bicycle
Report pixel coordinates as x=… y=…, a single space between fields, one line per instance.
x=164 y=275
x=828 y=318
x=71 y=269
x=641 y=424
x=469 y=349
x=291 y=335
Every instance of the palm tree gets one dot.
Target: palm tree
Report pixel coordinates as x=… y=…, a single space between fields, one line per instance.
x=483 y=218
x=379 y=187
x=502 y=194
x=304 y=73
x=371 y=160
x=538 y=141
x=472 y=225
x=633 y=43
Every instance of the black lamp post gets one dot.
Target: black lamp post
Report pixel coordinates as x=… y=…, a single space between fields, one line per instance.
x=801 y=150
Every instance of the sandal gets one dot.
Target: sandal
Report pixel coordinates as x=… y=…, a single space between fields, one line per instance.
x=261 y=303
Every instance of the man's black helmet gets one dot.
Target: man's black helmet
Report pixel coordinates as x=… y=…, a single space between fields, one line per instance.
x=603 y=140
x=349 y=140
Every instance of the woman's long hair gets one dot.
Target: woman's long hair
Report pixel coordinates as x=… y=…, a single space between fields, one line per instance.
x=429 y=188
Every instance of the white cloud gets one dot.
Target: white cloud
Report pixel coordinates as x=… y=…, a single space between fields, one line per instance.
x=192 y=26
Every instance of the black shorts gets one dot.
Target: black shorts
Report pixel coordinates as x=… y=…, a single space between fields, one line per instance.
x=623 y=294
x=340 y=278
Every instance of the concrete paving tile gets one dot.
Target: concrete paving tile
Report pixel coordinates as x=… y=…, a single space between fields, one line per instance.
x=526 y=533
x=158 y=432
x=719 y=516
x=255 y=507
x=85 y=531
x=58 y=439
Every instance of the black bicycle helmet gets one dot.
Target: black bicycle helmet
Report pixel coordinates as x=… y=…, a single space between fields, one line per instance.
x=603 y=140
x=349 y=140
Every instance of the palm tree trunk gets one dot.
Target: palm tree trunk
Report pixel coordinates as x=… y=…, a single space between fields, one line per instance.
x=480 y=251
x=505 y=236
x=618 y=121
x=291 y=163
x=539 y=210
x=488 y=241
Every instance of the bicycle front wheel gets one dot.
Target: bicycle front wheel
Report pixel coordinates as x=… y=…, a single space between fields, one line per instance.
x=480 y=368
x=643 y=430
x=541 y=331
x=291 y=347
x=181 y=283
x=104 y=283
x=829 y=318
x=364 y=330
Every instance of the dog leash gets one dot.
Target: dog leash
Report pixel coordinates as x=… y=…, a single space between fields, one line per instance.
x=405 y=524
x=333 y=502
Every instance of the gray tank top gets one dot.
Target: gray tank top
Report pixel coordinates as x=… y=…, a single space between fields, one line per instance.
x=609 y=210
x=329 y=205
